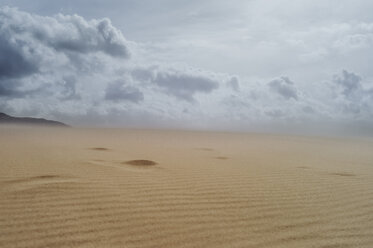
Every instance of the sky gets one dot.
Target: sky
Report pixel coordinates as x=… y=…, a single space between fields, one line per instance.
x=255 y=65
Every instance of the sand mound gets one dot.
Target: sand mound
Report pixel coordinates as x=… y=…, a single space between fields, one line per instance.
x=46 y=176
x=99 y=149
x=221 y=158
x=141 y=162
x=272 y=192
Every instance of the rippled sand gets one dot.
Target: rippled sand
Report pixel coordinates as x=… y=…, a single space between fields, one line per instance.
x=141 y=188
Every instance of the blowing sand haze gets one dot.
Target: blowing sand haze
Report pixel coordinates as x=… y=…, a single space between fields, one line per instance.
x=132 y=188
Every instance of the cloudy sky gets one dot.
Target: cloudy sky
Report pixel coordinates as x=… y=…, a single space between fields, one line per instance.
x=256 y=65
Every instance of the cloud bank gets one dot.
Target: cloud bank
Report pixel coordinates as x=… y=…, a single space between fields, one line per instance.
x=85 y=72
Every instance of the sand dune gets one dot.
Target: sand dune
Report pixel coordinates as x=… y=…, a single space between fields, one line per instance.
x=142 y=188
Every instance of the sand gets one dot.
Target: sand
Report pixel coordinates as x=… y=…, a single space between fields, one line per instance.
x=143 y=188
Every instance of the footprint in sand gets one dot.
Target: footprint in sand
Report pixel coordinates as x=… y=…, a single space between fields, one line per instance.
x=206 y=149
x=342 y=174
x=304 y=167
x=33 y=182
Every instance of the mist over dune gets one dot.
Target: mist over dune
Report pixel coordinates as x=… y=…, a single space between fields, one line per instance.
x=10 y=120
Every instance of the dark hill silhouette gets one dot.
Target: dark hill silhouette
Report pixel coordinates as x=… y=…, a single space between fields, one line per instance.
x=7 y=119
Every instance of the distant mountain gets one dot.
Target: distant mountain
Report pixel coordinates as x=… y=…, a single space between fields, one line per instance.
x=7 y=119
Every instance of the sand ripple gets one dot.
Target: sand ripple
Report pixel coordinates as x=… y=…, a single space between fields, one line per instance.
x=262 y=192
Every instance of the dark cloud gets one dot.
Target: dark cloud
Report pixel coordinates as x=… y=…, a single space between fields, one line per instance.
x=353 y=96
x=184 y=86
x=13 y=89
x=50 y=47
x=308 y=110
x=13 y=62
x=119 y=91
x=181 y=84
x=85 y=37
x=275 y=113
x=234 y=84
x=26 y=41
x=143 y=74
x=349 y=82
x=284 y=87
x=351 y=108
x=65 y=33
x=10 y=88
